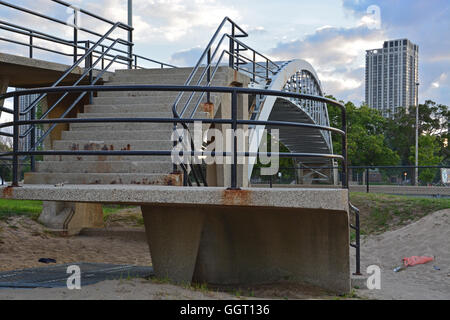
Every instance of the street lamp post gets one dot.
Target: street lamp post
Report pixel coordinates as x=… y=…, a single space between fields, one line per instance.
x=417 y=135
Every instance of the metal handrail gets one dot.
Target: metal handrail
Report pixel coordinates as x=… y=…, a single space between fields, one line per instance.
x=357 y=244
x=74 y=44
x=233 y=55
x=234 y=121
x=69 y=71
x=87 y=71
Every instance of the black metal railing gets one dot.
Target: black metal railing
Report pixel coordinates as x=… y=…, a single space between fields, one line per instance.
x=357 y=244
x=74 y=47
x=87 y=75
x=15 y=154
x=210 y=61
x=402 y=175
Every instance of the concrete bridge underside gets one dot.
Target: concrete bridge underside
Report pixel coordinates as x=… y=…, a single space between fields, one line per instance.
x=235 y=237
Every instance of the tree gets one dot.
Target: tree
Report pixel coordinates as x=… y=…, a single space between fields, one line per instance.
x=429 y=149
x=433 y=120
x=365 y=136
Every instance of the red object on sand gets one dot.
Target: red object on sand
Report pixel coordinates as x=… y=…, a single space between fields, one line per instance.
x=412 y=261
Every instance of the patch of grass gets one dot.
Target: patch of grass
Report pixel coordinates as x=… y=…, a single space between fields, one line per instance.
x=111 y=209
x=11 y=208
x=382 y=212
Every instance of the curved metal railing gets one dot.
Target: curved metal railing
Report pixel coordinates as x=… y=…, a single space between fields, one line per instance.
x=233 y=121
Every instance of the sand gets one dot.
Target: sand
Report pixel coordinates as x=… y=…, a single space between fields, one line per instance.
x=23 y=242
x=429 y=236
x=135 y=289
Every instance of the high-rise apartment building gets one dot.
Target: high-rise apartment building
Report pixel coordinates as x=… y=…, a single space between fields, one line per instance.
x=392 y=76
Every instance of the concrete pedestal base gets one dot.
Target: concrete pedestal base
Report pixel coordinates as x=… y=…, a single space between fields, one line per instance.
x=70 y=218
x=249 y=245
x=173 y=235
x=221 y=236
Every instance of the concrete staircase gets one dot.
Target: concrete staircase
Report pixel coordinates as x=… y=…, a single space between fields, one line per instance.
x=146 y=170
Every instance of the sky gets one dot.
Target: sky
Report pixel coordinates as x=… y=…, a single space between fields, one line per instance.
x=332 y=35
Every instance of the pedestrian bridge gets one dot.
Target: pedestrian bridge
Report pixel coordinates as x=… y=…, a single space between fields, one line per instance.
x=107 y=129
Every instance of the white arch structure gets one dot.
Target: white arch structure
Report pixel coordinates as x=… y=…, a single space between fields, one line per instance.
x=294 y=76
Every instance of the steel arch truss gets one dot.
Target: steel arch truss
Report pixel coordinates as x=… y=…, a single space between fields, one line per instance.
x=293 y=76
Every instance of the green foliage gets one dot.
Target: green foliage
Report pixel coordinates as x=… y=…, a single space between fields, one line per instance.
x=9 y=208
x=429 y=150
x=284 y=163
x=375 y=141
x=366 y=140
x=433 y=121
x=382 y=212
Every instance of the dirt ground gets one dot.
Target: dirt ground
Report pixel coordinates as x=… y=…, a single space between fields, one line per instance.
x=429 y=236
x=24 y=241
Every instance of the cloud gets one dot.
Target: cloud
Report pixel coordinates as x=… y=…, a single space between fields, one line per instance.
x=337 y=54
x=424 y=23
x=186 y=58
x=168 y=20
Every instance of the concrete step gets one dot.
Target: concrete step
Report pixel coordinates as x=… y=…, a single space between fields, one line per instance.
x=130 y=126
x=165 y=77
x=103 y=178
x=104 y=166
x=120 y=126
x=170 y=71
x=164 y=81
x=107 y=158
x=168 y=94
x=90 y=115
x=116 y=135
x=135 y=108
x=113 y=145
x=151 y=100
x=120 y=108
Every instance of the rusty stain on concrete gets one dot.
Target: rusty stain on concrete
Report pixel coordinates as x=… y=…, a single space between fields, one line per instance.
x=209 y=108
x=8 y=192
x=236 y=197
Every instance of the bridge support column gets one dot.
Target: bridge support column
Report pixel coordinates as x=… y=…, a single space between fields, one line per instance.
x=242 y=245
x=70 y=218
x=173 y=235
x=4 y=82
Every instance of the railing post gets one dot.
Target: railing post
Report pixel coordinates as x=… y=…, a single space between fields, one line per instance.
x=31 y=45
x=175 y=143
x=358 y=244
x=130 y=49
x=33 y=139
x=267 y=69
x=91 y=75
x=103 y=59
x=75 y=35
x=254 y=66
x=367 y=180
x=344 y=150
x=130 y=34
x=15 y=171
x=208 y=75
x=231 y=62
x=234 y=106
